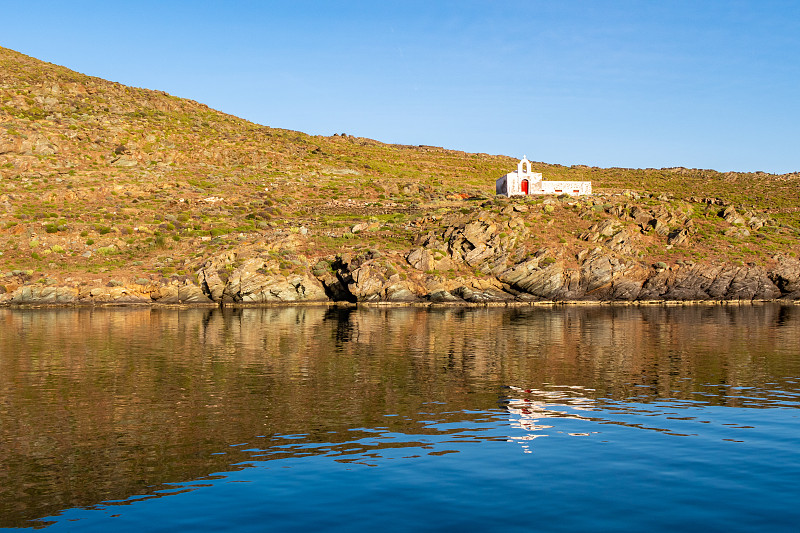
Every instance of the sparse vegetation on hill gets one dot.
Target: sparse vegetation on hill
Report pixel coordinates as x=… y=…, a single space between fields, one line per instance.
x=113 y=193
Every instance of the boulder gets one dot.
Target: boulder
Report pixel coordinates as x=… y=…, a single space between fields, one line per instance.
x=421 y=259
x=660 y=227
x=479 y=231
x=678 y=236
x=640 y=215
x=607 y=228
x=731 y=216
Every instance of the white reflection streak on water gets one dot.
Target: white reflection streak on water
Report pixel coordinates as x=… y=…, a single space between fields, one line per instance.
x=537 y=404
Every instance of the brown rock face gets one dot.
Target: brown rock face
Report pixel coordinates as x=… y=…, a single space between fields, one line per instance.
x=116 y=295
x=28 y=294
x=210 y=276
x=678 y=236
x=787 y=277
x=704 y=282
x=253 y=282
x=188 y=293
x=545 y=282
x=369 y=278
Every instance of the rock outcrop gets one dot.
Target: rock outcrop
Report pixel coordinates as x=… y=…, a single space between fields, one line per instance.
x=254 y=281
x=499 y=270
x=186 y=293
x=786 y=277
x=705 y=282
x=368 y=277
x=171 y=293
x=28 y=294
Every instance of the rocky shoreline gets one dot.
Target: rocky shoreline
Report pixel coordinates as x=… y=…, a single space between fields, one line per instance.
x=370 y=279
x=475 y=260
x=421 y=304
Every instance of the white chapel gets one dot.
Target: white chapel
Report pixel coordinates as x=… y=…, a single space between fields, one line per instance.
x=523 y=182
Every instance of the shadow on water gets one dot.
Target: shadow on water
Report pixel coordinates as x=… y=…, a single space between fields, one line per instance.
x=99 y=405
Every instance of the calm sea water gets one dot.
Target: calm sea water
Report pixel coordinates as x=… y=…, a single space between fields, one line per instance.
x=540 y=419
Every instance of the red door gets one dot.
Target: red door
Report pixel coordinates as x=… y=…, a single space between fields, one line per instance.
x=524 y=186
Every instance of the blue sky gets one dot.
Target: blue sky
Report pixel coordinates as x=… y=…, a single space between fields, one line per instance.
x=705 y=84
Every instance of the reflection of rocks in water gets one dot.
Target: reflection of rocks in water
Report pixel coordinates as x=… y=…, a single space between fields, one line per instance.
x=103 y=403
x=342 y=325
x=535 y=405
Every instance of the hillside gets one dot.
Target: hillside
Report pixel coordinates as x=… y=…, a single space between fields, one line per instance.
x=116 y=194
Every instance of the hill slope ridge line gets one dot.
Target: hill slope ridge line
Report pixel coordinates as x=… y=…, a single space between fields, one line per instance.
x=110 y=193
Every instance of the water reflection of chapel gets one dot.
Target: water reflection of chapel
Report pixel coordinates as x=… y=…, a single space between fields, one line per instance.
x=524 y=182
